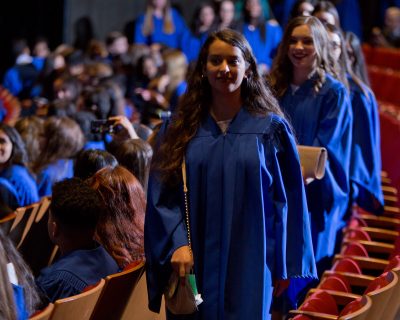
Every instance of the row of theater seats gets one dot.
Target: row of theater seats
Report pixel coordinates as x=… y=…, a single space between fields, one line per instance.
x=118 y=296
x=10 y=105
x=363 y=282
x=383 y=66
x=384 y=73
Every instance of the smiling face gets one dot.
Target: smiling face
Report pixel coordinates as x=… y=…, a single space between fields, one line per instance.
x=225 y=68
x=5 y=147
x=302 y=52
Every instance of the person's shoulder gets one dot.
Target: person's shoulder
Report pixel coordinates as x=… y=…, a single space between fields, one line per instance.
x=277 y=124
x=332 y=87
x=58 y=283
x=331 y=83
x=270 y=123
x=15 y=170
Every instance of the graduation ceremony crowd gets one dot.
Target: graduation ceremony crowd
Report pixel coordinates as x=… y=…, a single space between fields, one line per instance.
x=108 y=130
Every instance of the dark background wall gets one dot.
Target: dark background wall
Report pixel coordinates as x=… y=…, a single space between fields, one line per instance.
x=29 y=19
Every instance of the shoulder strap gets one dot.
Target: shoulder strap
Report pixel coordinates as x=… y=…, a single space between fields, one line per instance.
x=185 y=191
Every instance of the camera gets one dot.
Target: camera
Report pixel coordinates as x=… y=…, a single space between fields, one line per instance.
x=102 y=126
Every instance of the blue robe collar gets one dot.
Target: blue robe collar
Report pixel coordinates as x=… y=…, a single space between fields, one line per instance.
x=242 y=123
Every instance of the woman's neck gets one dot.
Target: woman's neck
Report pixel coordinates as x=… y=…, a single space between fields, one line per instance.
x=225 y=107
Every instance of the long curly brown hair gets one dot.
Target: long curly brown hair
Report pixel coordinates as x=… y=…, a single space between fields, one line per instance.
x=195 y=103
x=282 y=68
x=120 y=229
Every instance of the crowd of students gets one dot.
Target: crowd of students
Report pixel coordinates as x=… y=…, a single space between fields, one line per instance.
x=231 y=105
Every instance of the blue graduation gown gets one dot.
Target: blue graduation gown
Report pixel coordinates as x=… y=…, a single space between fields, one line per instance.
x=282 y=11
x=173 y=40
x=324 y=119
x=365 y=165
x=54 y=172
x=19 y=300
x=244 y=188
x=23 y=183
x=74 y=271
x=264 y=51
x=8 y=194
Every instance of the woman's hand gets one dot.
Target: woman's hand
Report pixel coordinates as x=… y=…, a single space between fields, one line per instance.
x=127 y=132
x=280 y=286
x=182 y=261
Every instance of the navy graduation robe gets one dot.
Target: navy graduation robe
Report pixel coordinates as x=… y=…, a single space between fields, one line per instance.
x=324 y=119
x=366 y=165
x=264 y=50
x=248 y=215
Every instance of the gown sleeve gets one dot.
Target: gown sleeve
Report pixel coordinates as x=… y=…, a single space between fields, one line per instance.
x=294 y=251
x=165 y=232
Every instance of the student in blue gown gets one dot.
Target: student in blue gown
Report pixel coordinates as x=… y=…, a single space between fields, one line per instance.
x=160 y=24
x=249 y=222
x=13 y=166
x=263 y=36
x=356 y=57
x=365 y=164
x=63 y=140
x=318 y=107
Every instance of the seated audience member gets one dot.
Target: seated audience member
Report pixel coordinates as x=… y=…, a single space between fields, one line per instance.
x=263 y=35
x=117 y=47
x=135 y=155
x=20 y=78
x=41 y=51
x=88 y=162
x=74 y=211
x=18 y=292
x=204 y=21
x=226 y=15
x=120 y=227
x=63 y=140
x=31 y=132
x=389 y=36
x=93 y=140
x=13 y=166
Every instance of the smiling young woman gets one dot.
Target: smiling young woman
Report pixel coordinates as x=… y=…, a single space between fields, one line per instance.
x=245 y=185
x=317 y=104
